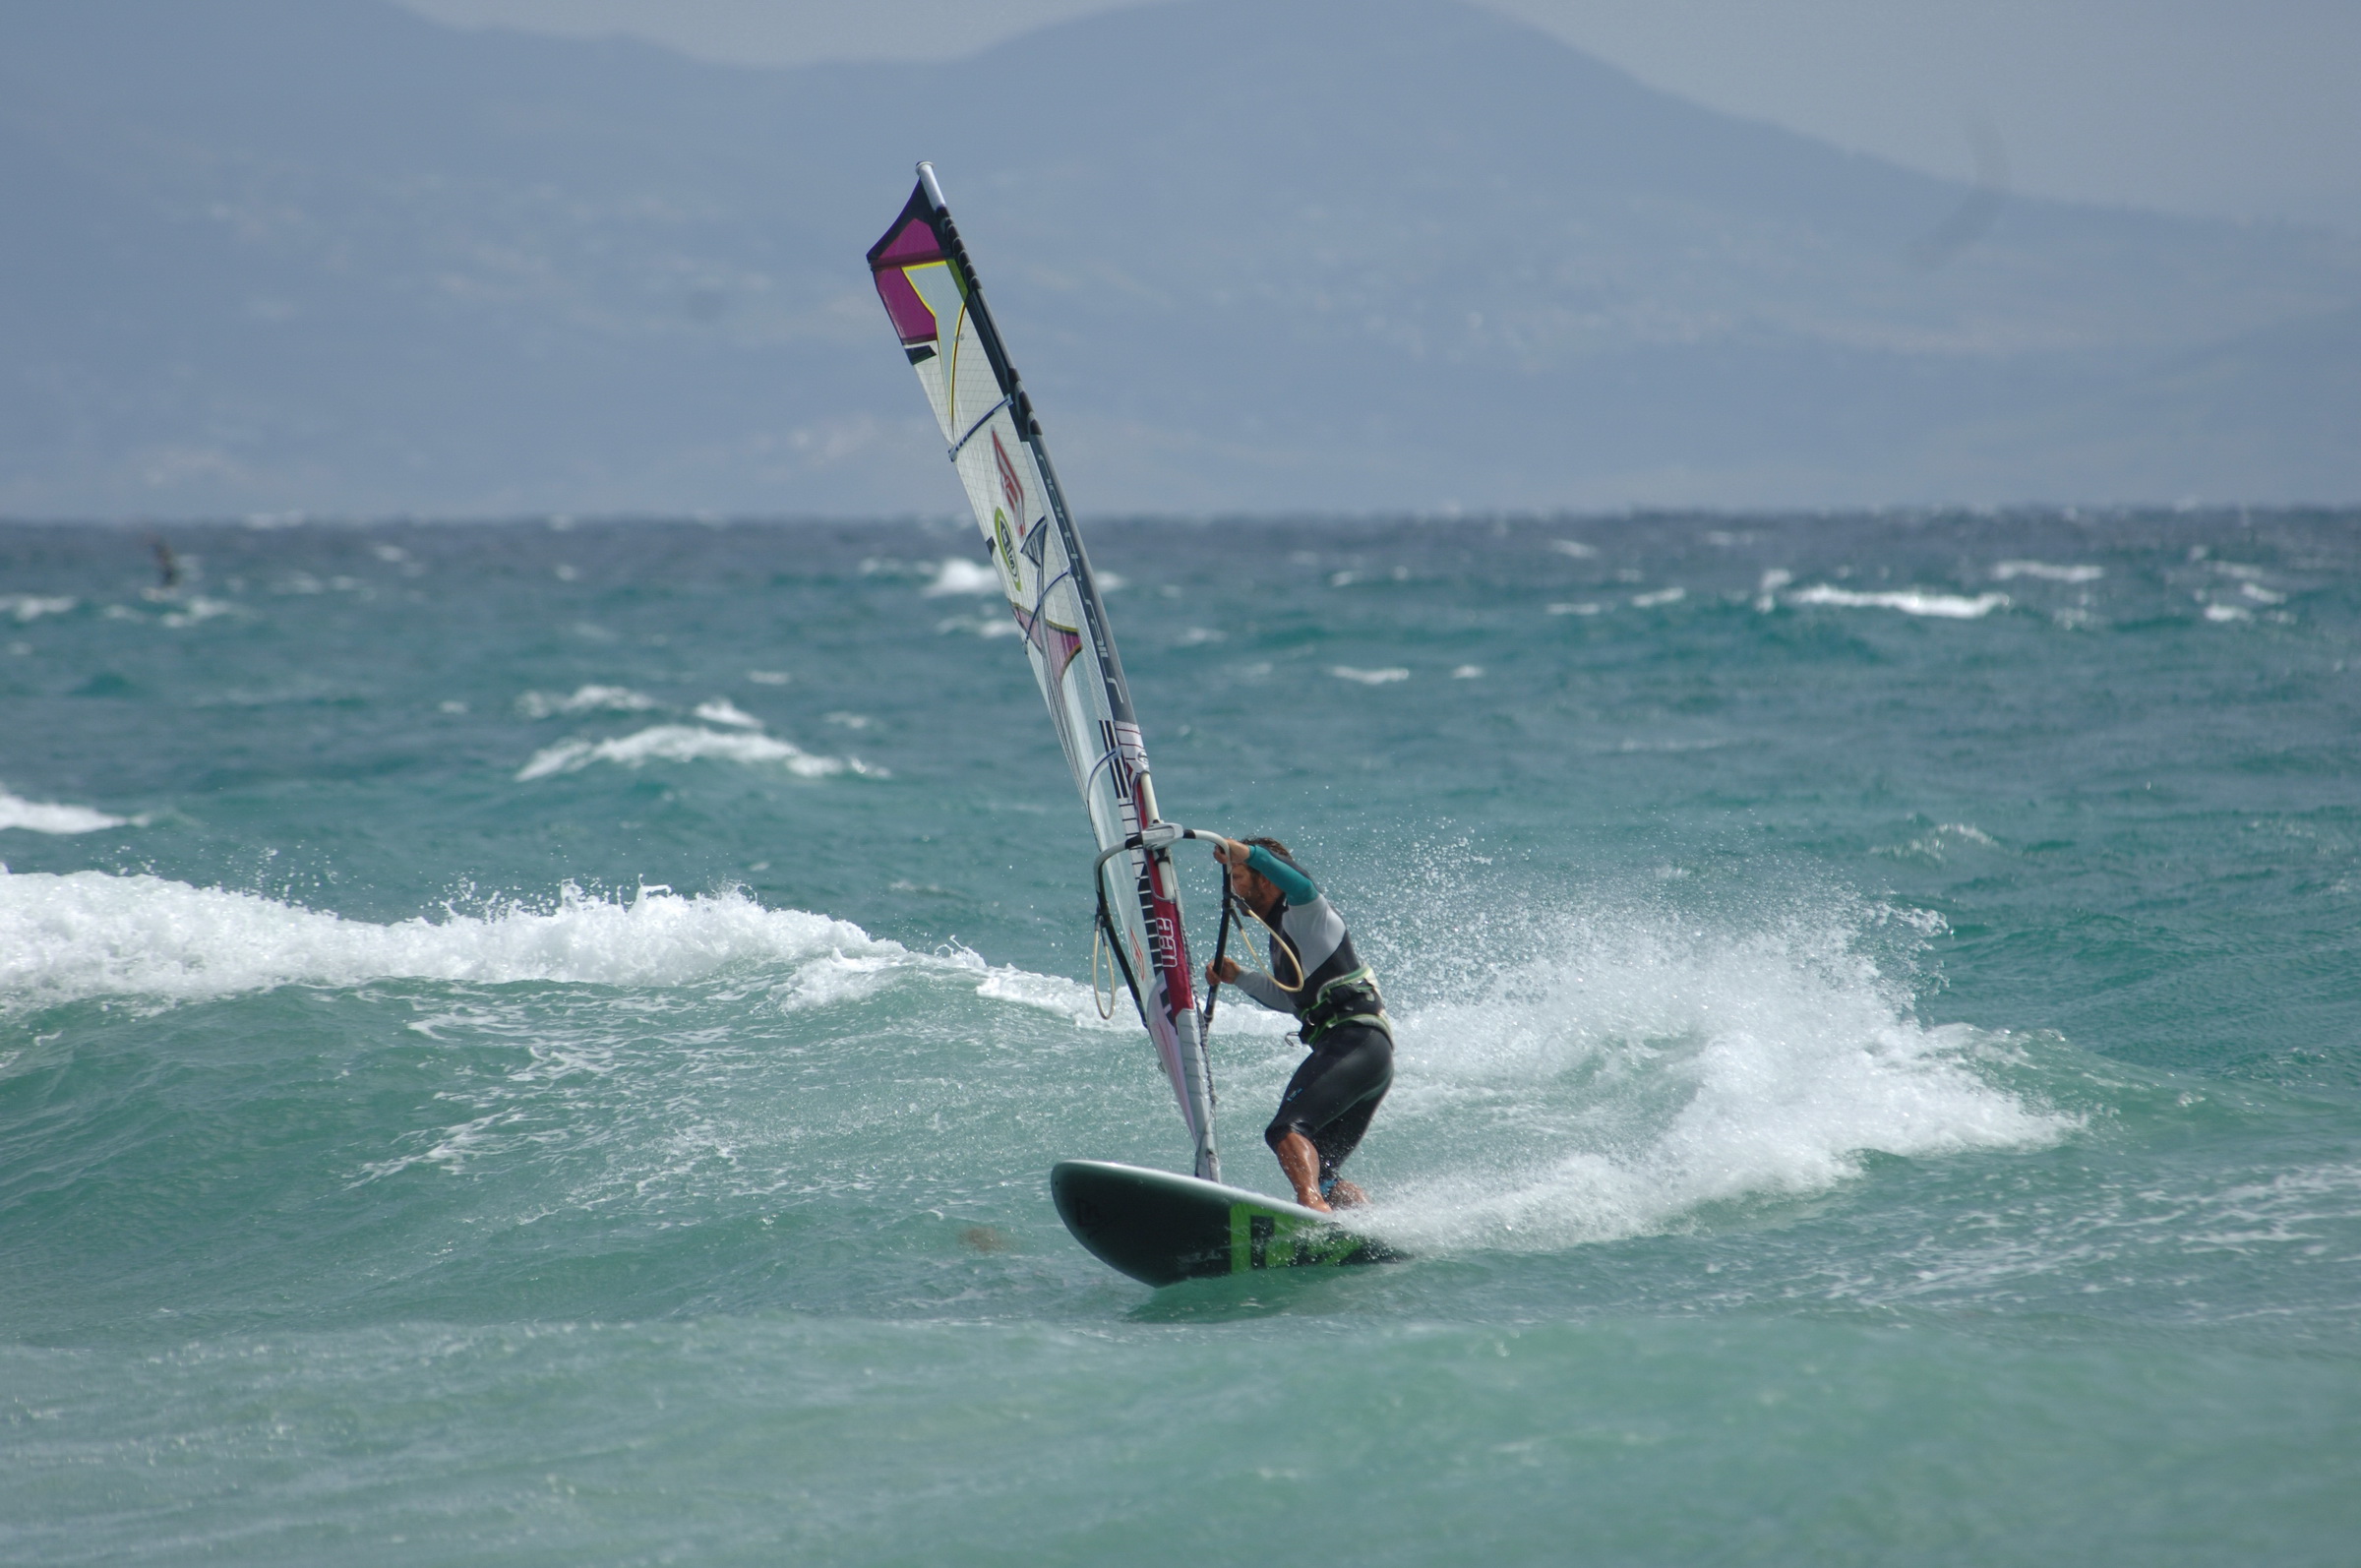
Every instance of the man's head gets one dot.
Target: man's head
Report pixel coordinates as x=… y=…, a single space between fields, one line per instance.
x=1251 y=885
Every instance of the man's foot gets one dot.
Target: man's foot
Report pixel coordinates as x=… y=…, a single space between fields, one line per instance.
x=1344 y=1194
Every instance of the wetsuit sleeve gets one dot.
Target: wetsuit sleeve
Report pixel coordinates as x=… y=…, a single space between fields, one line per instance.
x=1262 y=990
x=1292 y=885
x=1314 y=930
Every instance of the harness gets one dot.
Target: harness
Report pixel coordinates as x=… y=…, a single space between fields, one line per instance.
x=1349 y=998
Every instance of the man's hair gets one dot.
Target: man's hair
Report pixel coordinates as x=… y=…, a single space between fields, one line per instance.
x=1274 y=846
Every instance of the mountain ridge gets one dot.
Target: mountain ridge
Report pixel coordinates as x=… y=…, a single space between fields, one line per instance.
x=1397 y=254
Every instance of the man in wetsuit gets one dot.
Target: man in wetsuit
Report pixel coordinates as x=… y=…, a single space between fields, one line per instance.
x=1314 y=975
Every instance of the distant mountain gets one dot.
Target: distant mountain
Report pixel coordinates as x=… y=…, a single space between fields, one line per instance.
x=321 y=254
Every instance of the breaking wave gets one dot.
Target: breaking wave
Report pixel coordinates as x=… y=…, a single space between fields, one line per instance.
x=90 y=934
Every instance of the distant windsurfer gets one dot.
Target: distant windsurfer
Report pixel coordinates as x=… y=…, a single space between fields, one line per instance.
x=1315 y=975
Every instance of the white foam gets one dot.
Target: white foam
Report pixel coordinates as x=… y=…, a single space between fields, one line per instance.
x=958 y=575
x=1573 y=547
x=39 y=817
x=721 y=710
x=89 y=934
x=1649 y=601
x=1385 y=677
x=2227 y=612
x=1574 y=609
x=33 y=605
x=1640 y=1066
x=687 y=742
x=1910 y=601
x=2046 y=573
x=585 y=700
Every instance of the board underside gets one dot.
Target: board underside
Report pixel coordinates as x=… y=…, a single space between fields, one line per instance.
x=1161 y=1227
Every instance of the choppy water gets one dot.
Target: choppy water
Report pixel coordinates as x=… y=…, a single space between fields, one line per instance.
x=544 y=1044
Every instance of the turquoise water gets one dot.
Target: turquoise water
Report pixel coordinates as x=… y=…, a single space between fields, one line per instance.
x=532 y=1044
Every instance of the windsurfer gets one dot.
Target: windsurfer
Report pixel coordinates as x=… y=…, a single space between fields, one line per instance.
x=1315 y=975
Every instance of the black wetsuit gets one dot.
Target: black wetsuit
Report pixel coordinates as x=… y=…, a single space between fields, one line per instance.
x=1340 y=1085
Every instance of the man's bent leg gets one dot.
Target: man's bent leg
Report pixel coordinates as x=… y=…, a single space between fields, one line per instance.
x=1302 y=1163
x=1335 y=1143
x=1327 y=1107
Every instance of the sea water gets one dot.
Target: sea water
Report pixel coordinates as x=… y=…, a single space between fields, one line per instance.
x=544 y=1043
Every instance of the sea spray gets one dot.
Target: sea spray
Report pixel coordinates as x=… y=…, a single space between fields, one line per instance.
x=1613 y=1066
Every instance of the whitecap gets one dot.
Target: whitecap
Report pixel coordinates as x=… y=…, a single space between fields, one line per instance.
x=1384 y=677
x=686 y=743
x=721 y=710
x=958 y=575
x=585 y=700
x=1910 y=601
x=33 y=605
x=49 y=818
x=2046 y=573
x=1649 y=601
x=983 y=626
x=198 y=609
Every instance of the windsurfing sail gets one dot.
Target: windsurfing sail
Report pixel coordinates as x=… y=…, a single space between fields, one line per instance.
x=929 y=291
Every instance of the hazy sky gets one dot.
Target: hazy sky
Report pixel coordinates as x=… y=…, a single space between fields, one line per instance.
x=2233 y=108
